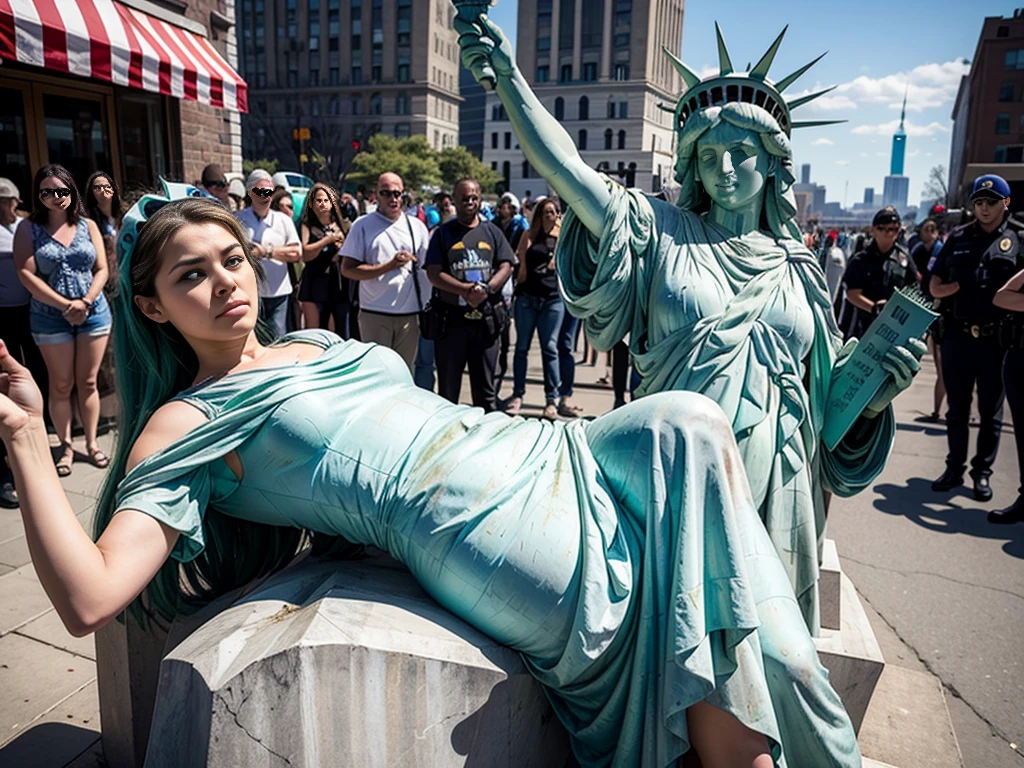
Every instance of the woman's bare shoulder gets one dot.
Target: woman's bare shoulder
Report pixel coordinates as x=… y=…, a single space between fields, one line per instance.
x=168 y=424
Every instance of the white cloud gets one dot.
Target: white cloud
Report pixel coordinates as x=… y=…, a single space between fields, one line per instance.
x=914 y=153
x=842 y=162
x=889 y=128
x=822 y=142
x=926 y=86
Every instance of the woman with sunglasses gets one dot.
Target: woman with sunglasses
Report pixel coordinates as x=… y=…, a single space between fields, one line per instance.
x=103 y=205
x=60 y=258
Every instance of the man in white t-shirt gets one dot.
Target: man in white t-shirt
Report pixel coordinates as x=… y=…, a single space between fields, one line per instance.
x=384 y=251
x=276 y=242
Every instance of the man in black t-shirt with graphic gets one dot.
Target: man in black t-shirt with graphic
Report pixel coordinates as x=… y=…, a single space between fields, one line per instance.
x=468 y=262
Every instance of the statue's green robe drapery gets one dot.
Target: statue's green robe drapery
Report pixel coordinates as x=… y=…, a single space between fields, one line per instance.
x=745 y=321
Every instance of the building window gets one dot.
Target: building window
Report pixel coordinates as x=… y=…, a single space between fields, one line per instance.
x=565 y=73
x=506 y=172
x=332 y=45
x=621 y=72
x=375 y=73
x=357 y=105
x=1006 y=92
x=590 y=72
x=402 y=104
x=581 y=143
x=1003 y=122
x=404 y=28
x=543 y=74
x=1002 y=31
x=332 y=108
x=508 y=139
x=1014 y=59
x=402 y=130
x=402 y=74
x=623 y=110
x=376 y=105
x=526 y=169
x=314 y=108
x=622 y=139
x=357 y=75
x=335 y=76
x=559 y=108
x=314 y=77
x=608 y=138
x=494 y=166
x=494 y=140
x=1015 y=154
x=584 y=108
x=437 y=139
x=498 y=113
x=1000 y=156
x=544 y=44
x=611 y=110
x=293 y=79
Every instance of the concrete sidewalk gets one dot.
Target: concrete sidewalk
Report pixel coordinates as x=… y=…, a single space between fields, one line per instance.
x=49 y=713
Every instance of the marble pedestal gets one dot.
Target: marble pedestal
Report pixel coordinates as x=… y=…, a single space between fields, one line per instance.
x=846 y=646
x=349 y=664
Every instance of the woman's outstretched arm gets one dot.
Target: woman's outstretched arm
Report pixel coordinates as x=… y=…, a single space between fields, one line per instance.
x=88 y=583
x=1011 y=295
x=487 y=53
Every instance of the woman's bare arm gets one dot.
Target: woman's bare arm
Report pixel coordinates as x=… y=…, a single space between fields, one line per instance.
x=1011 y=295
x=100 y=270
x=25 y=263
x=524 y=246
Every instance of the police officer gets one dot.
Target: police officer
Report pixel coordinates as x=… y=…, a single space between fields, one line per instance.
x=875 y=273
x=977 y=260
x=1011 y=298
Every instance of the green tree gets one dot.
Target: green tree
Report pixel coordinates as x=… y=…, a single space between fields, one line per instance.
x=413 y=159
x=270 y=166
x=458 y=163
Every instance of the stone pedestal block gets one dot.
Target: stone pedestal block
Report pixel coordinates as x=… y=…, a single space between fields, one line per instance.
x=349 y=664
x=830 y=587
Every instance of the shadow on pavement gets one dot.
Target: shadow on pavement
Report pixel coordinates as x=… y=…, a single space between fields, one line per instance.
x=47 y=745
x=953 y=512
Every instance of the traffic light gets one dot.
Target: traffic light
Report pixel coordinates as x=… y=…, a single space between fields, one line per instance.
x=357 y=144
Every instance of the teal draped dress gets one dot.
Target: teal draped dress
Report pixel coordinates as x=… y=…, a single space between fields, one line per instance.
x=746 y=321
x=623 y=558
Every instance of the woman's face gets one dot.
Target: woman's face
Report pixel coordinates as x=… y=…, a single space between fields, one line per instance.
x=102 y=189
x=205 y=286
x=929 y=233
x=54 y=194
x=322 y=202
x=550 y=217
x=732 y=164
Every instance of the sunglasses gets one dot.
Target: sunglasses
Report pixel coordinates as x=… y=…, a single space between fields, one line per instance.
x=60 y=193
x=263 y=192
x=888 y=230
x=219 y=184
x=987 y=201
x=102 y=188
x=394 y=194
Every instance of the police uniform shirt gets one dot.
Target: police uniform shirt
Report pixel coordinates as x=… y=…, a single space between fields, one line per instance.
x=877 y=277
x=981 y=262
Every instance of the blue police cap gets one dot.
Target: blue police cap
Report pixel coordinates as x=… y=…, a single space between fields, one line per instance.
x=991 y=186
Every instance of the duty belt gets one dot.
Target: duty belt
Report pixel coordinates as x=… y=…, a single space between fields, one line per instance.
x=980 y=330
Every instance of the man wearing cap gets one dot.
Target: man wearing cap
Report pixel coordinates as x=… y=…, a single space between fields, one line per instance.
x=14 y=323
x=214 y=182
x=977 y=260
x=874 y=274
x=276 y=242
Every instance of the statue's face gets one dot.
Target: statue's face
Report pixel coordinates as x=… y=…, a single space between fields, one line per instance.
x=732 y=164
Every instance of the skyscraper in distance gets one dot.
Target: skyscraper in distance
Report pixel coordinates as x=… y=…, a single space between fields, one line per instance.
x=899 y=144
x=897 y=186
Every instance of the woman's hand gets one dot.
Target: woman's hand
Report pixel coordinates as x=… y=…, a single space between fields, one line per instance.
x=77 y=312
x=902 y=364
x=21 y=402
x=486 y=51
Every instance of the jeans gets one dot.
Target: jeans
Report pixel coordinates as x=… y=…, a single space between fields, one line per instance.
x=544 y=316
x=566 y=353
x=274 y=312
x=423 y=369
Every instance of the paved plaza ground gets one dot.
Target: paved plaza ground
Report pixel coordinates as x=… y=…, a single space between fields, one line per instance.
x=942 y=587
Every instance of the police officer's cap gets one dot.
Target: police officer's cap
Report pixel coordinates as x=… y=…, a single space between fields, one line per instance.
x=990 y=186
x=887 y=215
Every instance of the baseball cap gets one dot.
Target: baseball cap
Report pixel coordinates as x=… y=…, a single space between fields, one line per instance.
x=7 y=189
x=990 y=186
x=887 y=215
x=508 y=197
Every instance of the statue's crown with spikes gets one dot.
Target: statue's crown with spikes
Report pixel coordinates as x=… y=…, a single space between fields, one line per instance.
x=752 y=87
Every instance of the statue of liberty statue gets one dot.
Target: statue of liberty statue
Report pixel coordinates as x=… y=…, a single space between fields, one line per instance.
x=717 y=293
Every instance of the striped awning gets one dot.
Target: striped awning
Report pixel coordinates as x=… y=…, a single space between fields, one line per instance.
x=106 y=40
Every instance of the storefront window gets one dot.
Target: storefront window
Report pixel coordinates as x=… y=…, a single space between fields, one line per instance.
x=76 y=136
x=140 y=125
x=14 y=163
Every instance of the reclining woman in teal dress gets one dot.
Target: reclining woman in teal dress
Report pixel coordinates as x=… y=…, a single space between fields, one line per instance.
x=623 y=557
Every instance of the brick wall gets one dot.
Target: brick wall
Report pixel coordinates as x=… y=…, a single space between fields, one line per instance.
x=210 y=135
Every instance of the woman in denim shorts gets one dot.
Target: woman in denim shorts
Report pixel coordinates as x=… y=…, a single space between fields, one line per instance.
x=60 y=258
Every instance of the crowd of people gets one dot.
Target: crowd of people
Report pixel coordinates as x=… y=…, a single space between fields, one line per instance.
x=443 y=283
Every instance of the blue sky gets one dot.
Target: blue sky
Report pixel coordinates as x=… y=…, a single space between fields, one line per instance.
x=875 y=49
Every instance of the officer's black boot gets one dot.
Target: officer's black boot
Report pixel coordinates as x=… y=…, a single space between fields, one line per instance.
x=949 y=480
x=1012 y=514
x=982 y=489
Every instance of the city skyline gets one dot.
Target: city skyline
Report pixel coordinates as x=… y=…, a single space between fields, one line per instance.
x=848 y=158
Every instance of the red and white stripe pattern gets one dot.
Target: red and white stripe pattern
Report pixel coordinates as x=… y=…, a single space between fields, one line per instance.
x=106 y=40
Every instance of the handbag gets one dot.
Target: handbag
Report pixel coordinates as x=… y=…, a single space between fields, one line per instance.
x=431 y=319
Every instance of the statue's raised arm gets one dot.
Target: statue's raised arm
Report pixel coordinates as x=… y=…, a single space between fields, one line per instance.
x=487 y=53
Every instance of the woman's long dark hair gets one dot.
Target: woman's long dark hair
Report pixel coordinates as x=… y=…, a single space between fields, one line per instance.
x=40 y=213
x=309 y=217
x=537 y=223
x=92 y=208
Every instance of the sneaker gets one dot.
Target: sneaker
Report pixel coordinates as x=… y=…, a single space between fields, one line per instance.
x=551 y=412
x=8 y=496
x=982 y=489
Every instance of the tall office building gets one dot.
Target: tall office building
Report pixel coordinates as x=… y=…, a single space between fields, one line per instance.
x=805 y=173
x=344 y=70
x=472 y=113
x=598 y=67
x=896 y=187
